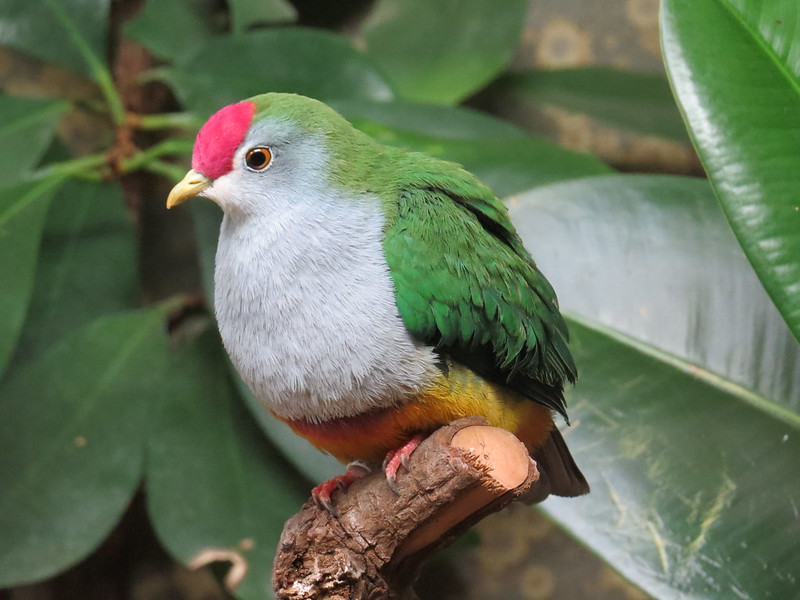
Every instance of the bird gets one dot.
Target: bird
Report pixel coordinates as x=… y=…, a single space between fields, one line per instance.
x=368 y=294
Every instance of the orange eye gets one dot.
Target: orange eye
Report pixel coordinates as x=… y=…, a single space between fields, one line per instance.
x=258 y=159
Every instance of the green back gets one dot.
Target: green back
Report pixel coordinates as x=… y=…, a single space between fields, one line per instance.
x=465 y=283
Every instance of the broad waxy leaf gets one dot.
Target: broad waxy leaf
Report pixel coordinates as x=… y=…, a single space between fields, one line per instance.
x=212 y=480
x=23 y=208
x=71 y=441
x=653 y=258
x=86 y=265
x=27 y=126
x=694 y=488
x=247 y=13
x=304 y=61
x=692 y=462
x=640 y=102
x=71 y=33
x=442 y=55
x=741 y=99
x=171 y=29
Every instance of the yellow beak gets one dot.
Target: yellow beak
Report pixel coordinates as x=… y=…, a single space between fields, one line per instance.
x=189 y=187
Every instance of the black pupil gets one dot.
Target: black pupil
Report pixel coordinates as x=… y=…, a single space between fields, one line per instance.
x=257 y=159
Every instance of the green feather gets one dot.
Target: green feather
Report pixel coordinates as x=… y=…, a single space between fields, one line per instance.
x=451 y=247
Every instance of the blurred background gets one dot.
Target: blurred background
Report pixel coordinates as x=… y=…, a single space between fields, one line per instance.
x=526 y=94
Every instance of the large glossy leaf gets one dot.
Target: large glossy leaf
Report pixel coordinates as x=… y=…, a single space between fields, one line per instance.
x=694 y=485
x=653 y=258
x=172 y=29
x=741 y=99
x=86 y=265
x=23 y=208
x=26 y=128
x=68 y=32
x=313 y=63
x=445 y=51
x=637 y=101
x=71 y=441
x=688 y=436
x=213 y=482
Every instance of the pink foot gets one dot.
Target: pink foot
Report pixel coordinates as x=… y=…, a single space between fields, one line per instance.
x=397 y=458
x=322 y=493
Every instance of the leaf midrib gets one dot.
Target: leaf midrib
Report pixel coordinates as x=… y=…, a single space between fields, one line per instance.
x=698 y=372
x=80 y=413
x=762 y=43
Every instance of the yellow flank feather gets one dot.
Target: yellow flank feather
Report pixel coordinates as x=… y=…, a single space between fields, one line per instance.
x=459 y=393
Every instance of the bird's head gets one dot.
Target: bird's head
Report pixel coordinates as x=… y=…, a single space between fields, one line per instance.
x=273 y=146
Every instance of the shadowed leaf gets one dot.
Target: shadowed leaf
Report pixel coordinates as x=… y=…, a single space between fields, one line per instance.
x=640 y=102
x=86 y=266
x=68 y=32
x=445 y=53
x=72 y=425
x=23 y=208
x=304 y=61
x=213 y=481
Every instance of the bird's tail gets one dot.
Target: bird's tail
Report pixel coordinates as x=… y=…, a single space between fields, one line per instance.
x=558 y=473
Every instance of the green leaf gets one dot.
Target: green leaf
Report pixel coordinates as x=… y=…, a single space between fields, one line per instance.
x=309 y=62
x=694 y=484
x=741 y=99
x=86 y=221
x=171 y=29
x=212 y=480
x=443 y=52
x=653 y=257
x=27 y=126
x=508 y=166
x=23 y=208
x=247 y=13
x=71 y=442
x=456 y=122
x=68 y=32
x=688 y=436
x=640 y=102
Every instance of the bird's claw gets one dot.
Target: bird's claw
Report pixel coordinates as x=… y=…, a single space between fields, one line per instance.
x=322 y=493
x=324 y=502
x=399 y=458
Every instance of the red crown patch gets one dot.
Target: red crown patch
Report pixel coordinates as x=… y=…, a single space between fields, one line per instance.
x=219 y=138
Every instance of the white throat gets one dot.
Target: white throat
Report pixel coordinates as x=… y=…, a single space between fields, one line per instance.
x=307 y=312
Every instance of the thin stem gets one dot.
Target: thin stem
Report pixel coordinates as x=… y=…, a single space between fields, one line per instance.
x=167 y=121
x=83 y=167
x=169 y=171
x=142 y=159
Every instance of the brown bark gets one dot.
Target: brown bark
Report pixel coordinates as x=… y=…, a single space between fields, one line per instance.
x=373 y=549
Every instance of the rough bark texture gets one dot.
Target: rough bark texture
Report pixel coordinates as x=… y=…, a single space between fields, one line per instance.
x=373 y=549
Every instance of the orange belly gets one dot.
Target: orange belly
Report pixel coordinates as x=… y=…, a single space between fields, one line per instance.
x=461 y=393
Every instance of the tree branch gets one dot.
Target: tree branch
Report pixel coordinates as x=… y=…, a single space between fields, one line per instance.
x=460 y=474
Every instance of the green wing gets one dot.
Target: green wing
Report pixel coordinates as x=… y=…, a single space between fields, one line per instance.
x=465 y=284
